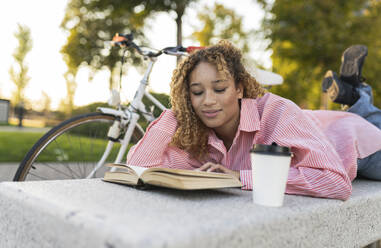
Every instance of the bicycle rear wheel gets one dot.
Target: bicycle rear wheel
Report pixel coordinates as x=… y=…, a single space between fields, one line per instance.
x=70 y=150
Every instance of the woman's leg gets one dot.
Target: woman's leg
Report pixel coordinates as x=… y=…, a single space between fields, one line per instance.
x=364 y=106
x=369 y=167
x=348 y=89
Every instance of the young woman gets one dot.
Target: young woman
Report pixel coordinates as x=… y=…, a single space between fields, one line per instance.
x=219 y=112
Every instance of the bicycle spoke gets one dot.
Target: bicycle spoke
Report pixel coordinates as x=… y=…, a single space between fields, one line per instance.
x=92 y=148
x=93 y=136
x=92 y=151
x=59 y=147
x=52 y=167
x=39 y=177
x=82 y=152
x=68 y=138
x=77 y=137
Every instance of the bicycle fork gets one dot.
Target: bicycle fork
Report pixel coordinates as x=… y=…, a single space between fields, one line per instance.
x=124 y=144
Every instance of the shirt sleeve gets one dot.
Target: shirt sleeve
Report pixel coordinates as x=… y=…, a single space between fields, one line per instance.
x=153 y=150
x=316 y=168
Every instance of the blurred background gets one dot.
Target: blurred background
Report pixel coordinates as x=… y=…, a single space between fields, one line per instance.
x=56 y=59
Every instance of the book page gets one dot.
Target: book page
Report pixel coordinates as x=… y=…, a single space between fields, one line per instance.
x=138 y=170
x=195 y=173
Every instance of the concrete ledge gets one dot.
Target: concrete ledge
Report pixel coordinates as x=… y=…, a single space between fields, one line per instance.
x=93 y=213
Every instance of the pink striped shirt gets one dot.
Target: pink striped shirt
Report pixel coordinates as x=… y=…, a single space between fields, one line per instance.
x=326 y=145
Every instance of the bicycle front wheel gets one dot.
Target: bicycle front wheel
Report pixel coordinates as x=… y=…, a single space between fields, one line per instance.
x=70 y=150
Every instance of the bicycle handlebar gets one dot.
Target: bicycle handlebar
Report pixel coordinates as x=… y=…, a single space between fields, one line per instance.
x=126 y=40
x=194 y=48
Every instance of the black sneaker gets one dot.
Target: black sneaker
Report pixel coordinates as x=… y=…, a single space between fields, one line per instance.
x=352 y=61
x=339 y=91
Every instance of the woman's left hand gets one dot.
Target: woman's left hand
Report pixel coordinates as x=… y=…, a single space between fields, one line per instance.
x=212 y=167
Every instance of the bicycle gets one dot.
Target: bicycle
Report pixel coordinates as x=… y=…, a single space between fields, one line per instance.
x=52 y=156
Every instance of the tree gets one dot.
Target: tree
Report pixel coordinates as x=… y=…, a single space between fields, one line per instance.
x=71 y=85
x=46 y=102
x=221 y=23
x=308 y=38
x=19 y=71
x=90 y=23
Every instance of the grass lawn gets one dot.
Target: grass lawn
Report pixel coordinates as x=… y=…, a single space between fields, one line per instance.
x=15 y=145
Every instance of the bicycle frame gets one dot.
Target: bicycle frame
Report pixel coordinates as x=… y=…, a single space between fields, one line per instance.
x=128 y=117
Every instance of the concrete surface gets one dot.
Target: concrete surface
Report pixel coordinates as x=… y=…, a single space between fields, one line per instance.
x=93 y=213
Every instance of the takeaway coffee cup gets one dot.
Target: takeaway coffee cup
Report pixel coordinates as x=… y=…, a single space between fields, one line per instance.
x=270 y=165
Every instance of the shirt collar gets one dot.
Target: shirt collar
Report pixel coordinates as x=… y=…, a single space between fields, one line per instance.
x=249 y=117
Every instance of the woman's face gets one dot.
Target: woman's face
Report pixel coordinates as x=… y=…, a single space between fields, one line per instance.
x=215 y=98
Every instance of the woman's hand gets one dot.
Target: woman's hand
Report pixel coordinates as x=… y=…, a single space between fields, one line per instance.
x=212 y=167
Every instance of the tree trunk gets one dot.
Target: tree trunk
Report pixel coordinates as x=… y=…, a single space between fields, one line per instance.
x=180 y=12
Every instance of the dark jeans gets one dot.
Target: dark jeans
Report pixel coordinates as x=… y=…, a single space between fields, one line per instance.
x=369 y=167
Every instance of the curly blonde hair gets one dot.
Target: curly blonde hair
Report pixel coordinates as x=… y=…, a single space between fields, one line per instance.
x=191 y=134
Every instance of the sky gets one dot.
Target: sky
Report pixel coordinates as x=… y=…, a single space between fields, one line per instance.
x=46 y=66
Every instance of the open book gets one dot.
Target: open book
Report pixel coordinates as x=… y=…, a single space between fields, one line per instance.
x=169 y=178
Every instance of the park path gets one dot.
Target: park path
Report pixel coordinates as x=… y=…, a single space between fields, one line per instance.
x=7 y=171
x=24 y=129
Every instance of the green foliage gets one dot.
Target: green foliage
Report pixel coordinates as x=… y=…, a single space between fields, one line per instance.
x=308 y=38
x=162 y=98
x=92 y=107
x=221 y=23
x=91 y=23
x=19 y=71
